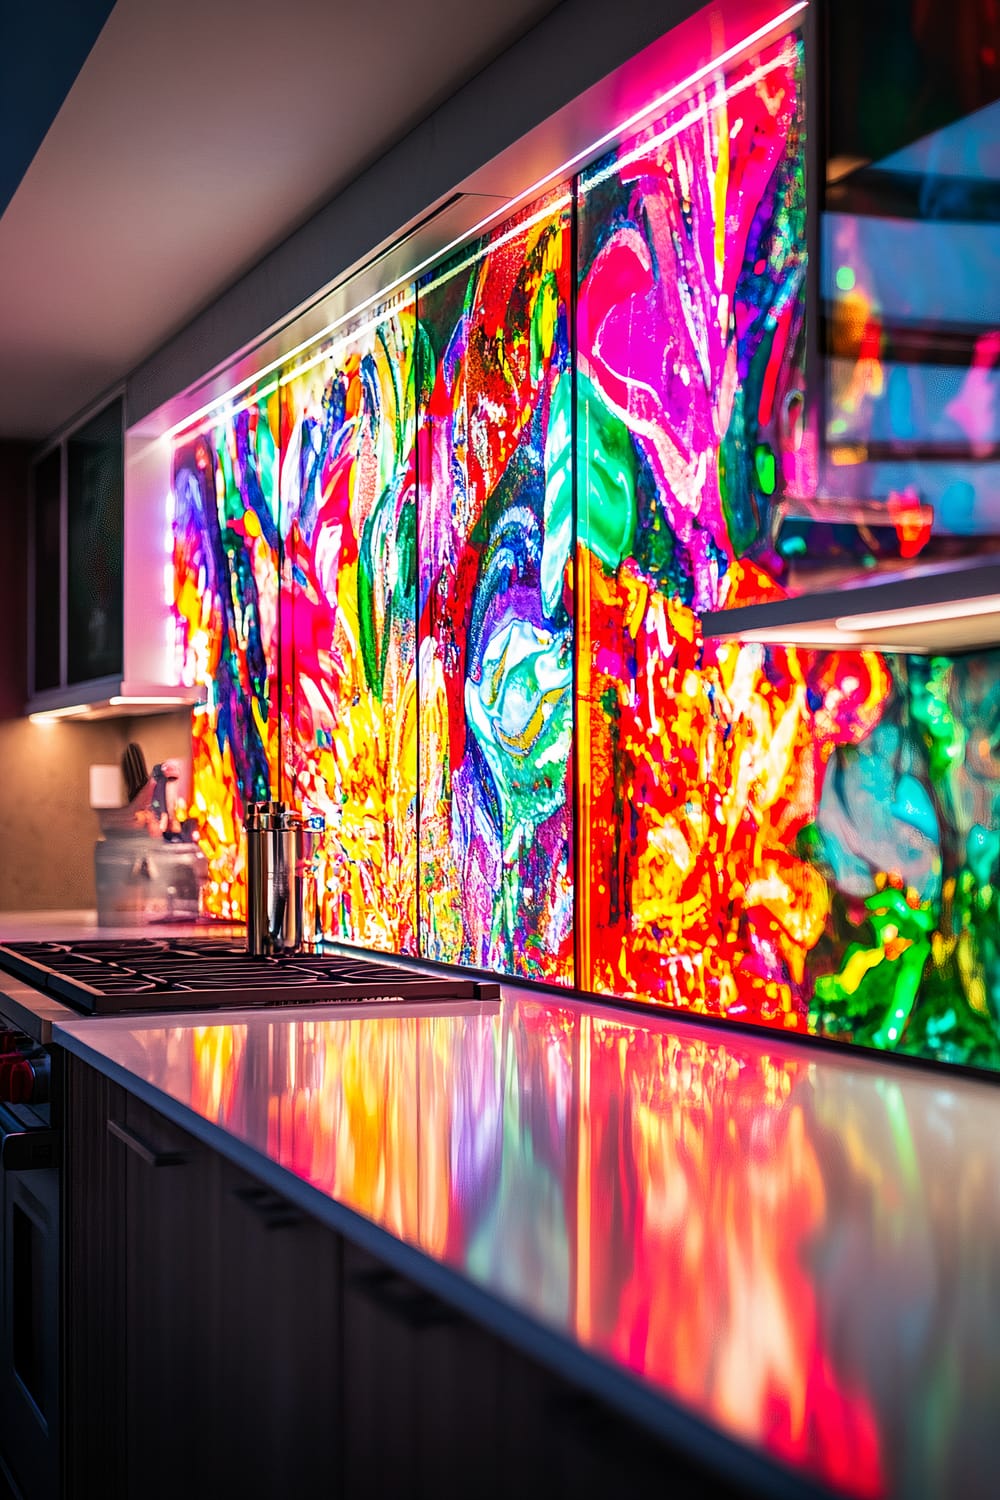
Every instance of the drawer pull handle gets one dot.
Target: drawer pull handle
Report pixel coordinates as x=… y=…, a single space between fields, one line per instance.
x=401 y=1301
x=142 y=1150
x=272 y=1211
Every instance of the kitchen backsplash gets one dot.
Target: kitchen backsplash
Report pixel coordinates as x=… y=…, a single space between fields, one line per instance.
x=442 y=580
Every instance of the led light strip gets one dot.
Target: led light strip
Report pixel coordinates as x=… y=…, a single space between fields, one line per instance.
x=856 y=632
x=50 y=715
x=334 y=347
x=155 y=699
x=705 y=107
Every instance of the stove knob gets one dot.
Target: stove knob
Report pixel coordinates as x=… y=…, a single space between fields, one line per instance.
x=22 y=1082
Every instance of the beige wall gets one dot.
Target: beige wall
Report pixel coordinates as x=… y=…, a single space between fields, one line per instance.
x=47 y=827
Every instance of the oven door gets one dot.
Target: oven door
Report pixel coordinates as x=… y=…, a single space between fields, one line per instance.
x=29 y=1303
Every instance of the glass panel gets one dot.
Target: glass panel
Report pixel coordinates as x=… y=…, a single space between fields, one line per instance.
x=910 y=471
x=348 y=515
x=807 y=840
x=690 y=393
x=94 y=480
x=496 y=605
x=226 y=620
x=907 y=838
x=47 y=517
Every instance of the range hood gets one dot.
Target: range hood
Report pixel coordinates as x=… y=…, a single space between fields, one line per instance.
x=109 y=698
x=948 y=608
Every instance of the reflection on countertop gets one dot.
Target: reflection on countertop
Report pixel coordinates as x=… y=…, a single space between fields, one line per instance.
x=799 y=1247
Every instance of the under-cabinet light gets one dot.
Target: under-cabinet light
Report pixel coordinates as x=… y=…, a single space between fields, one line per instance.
x=806 y=638
x=141 y=700
x=920 y=614
x=50 y=715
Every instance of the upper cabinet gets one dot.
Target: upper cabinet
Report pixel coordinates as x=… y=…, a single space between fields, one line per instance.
x=94 y=547
x=82 y=662
x=46 y=667
x=77 y=529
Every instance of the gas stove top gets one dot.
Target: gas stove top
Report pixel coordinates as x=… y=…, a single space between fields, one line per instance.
x=153 y=974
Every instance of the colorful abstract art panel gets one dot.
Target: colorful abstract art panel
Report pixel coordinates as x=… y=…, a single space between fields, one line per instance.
x=907 y=833
x=348 y=517
x=796 y=838
x=466 y=547
x=225 y=562
x=496 y=606
x=691 y=284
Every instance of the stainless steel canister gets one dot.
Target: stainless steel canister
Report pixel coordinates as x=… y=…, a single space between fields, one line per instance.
x=281 y=878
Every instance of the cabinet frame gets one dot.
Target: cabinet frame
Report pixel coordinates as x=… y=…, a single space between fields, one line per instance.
x=65 y=692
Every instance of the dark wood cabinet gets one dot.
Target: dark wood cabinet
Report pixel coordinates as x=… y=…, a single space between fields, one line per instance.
x=421 y=1389
x=203 y=1347
x=278 y=1395
x=172 y=1313
x=94 y=1387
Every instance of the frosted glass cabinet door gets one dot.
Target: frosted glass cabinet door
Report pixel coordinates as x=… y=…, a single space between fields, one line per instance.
x=46 y=527
x=94 y=540
x=908 y=250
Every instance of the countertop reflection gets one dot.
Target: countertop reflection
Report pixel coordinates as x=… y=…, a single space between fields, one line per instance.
x=800 y=1247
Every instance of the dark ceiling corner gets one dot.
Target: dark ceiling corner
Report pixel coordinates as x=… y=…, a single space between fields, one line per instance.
x=42 y=49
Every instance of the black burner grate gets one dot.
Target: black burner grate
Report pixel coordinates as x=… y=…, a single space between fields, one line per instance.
x=104 y=977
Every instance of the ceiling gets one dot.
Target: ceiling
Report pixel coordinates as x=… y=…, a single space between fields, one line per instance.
x=195 y=138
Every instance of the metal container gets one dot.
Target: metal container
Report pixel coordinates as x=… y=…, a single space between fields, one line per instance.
x=281 y=878
x=141 y=879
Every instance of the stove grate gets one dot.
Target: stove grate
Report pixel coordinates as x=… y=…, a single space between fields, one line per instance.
x=105 y=977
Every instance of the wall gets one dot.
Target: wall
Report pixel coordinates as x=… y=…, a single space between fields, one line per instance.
x=49 y=827
x=46 y=770
x=161 y=736
x=445 y=578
